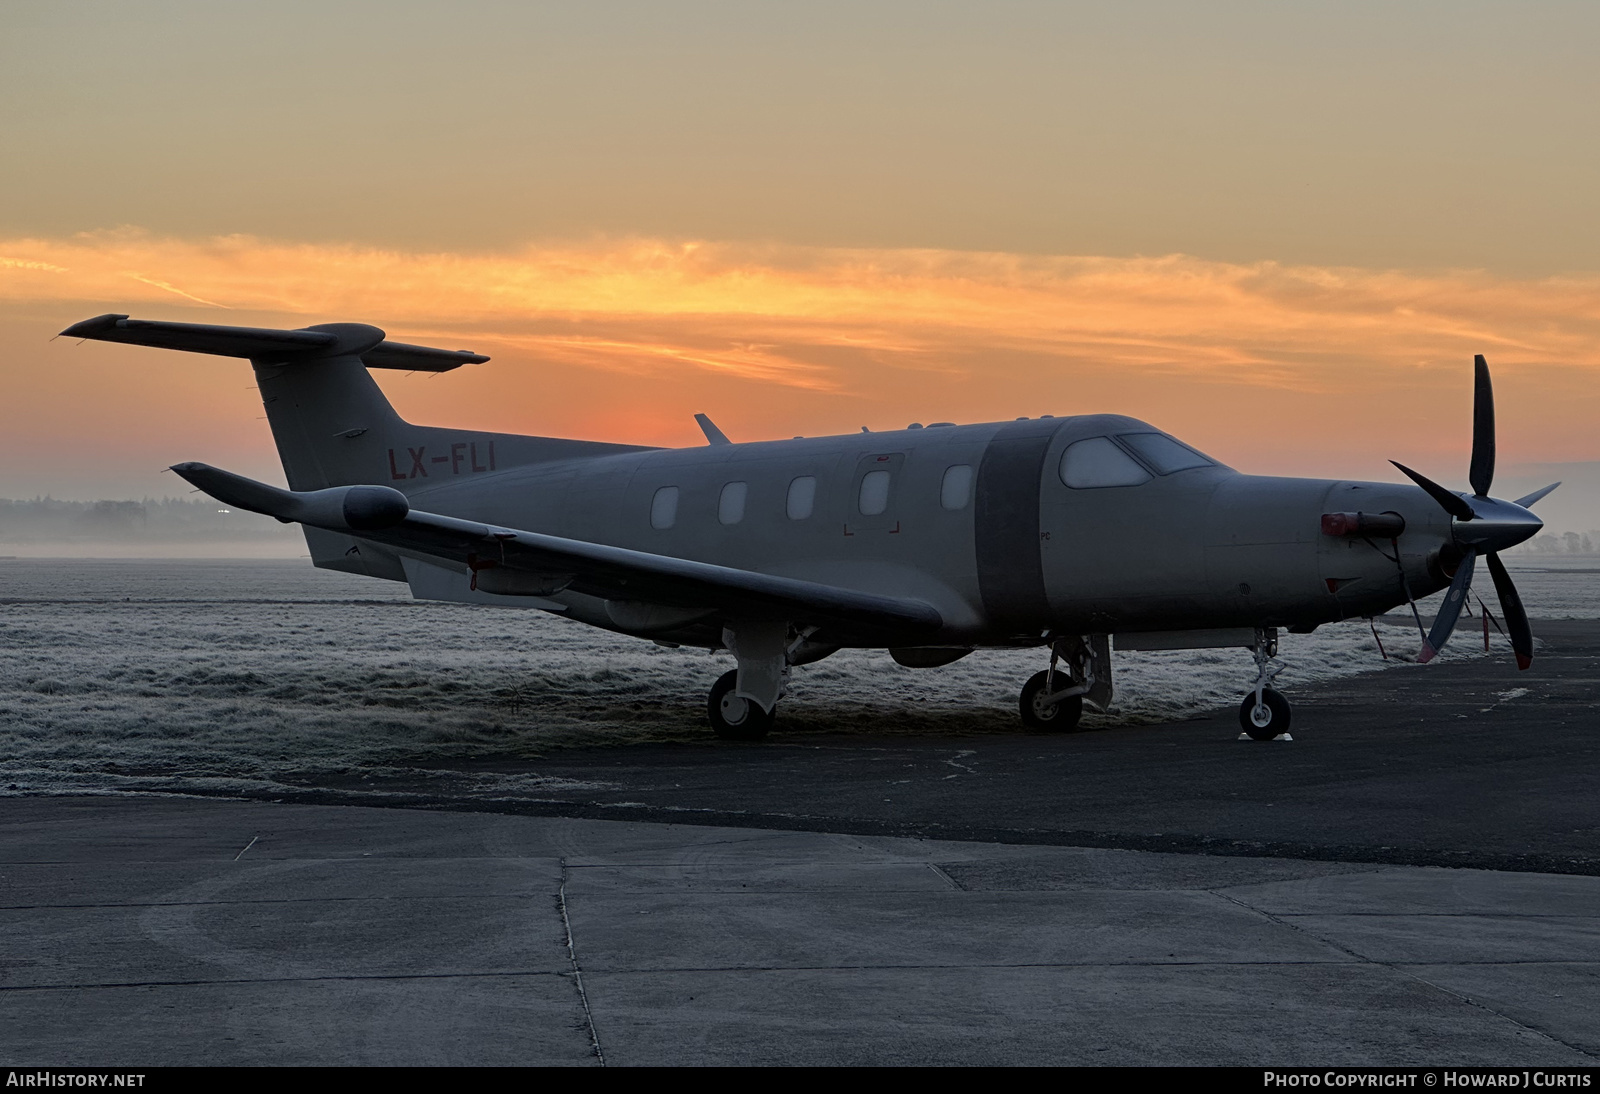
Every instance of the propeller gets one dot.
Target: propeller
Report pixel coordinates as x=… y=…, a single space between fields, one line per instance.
x=1482 y=526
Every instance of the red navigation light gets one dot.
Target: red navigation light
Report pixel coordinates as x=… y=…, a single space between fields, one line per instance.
x=1379 y=525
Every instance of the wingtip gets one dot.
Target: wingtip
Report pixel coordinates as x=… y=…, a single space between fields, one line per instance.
x=89 y=328
x=1524 y=662
x=1428 y=653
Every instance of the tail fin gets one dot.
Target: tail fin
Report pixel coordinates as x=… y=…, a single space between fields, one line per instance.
x=332 y=424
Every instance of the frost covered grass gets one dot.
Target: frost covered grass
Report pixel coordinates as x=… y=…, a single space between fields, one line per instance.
x=254 y=676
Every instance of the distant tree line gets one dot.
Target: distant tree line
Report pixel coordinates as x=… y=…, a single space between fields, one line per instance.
x=46 y=519
x=1563 y=543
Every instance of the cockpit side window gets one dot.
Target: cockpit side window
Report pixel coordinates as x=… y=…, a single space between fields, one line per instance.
x=1096 y=462
x=1163 y=453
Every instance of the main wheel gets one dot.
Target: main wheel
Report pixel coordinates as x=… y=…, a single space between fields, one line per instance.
x=734 y=718
x=1060 y=716
x=1269 y=719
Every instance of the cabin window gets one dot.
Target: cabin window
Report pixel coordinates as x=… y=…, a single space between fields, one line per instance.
x=802 y=496
x=664 y=507
x=874 y=496
x=1097 y=462
x=957 y=486
x=1162 y=452
x=730 y=507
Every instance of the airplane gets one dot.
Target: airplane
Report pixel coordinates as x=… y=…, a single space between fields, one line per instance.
x=1064 y=534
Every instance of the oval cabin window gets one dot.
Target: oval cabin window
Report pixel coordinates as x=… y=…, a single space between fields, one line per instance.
x=730 y=507
x=802 y=495
x=664 y=507
x=874 y=497
x=957 y=486
x=1096 y=462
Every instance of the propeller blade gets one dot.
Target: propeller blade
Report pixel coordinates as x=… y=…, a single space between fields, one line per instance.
x=1511 y=605
x=1445 y=621
x=1482 y=474
x=1527 y=500
x=1454 y=504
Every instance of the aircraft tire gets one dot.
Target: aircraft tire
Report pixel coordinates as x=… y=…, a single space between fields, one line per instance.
x=733 y=718
x=1275 y=715
x=1058 y=717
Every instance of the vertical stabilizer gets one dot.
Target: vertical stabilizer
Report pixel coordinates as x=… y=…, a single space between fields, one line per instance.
x=332 y=423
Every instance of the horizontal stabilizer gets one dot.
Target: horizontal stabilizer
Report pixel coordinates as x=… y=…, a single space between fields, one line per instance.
x=266 y=344
x=379 y=514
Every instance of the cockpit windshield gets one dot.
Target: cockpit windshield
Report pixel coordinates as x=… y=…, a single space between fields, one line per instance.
x=1095 y=462
x=1162 y=453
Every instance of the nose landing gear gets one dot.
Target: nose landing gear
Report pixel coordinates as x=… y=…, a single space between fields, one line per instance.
x=1264 y=714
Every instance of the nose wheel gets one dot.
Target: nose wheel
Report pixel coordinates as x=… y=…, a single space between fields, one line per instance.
x=1265 y=718
x=1264 y=713
x=733 y=717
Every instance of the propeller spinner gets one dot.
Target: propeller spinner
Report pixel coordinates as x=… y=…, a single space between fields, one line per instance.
x=1482 y=526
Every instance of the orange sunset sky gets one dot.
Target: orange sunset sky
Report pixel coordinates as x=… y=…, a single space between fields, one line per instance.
x=1280 y=231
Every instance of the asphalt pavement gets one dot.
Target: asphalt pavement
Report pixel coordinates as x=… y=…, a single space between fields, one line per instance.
x=1411 y=880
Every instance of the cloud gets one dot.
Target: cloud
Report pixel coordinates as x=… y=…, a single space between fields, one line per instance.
x=1271 y=366
x=772 y=314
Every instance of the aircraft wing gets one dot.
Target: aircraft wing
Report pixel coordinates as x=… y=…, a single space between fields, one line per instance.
x=383 y=515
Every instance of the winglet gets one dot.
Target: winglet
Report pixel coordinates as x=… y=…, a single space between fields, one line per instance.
x=709 y=428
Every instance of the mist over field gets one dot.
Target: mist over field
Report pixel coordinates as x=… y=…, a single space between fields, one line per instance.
x=148 y=528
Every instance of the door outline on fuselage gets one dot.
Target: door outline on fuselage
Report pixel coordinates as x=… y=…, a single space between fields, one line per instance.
x=889 y=521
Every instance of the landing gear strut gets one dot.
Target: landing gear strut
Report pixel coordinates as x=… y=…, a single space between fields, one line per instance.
x=1264 y=713
x=1080 y=668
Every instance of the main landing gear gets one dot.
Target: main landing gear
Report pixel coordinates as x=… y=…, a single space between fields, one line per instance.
x=734 y=718
x=1047 y=706
x=1264 y=713
x=743 y=702
x=1080 y=669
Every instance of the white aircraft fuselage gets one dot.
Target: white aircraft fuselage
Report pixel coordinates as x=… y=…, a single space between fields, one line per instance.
x=1008 y=553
